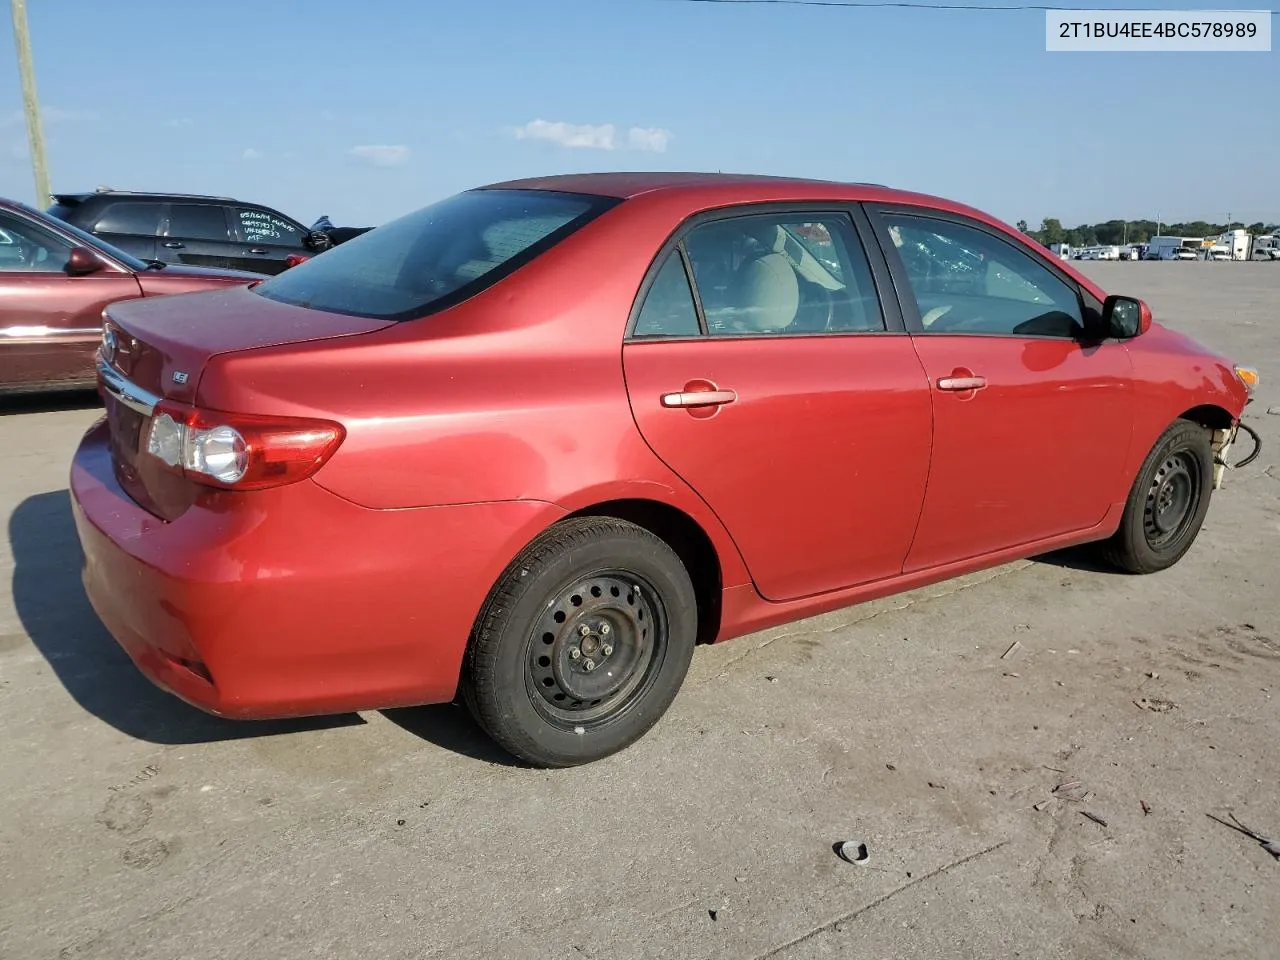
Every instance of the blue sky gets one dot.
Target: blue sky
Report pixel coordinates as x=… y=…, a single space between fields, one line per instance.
x=367 y=110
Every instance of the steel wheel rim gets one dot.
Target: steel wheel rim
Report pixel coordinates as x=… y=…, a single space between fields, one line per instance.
x=595 y=649
x=1171 y=501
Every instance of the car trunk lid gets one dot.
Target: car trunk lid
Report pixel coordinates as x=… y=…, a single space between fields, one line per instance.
x=156 y=350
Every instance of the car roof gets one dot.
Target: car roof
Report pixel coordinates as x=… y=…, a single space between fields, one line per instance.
x=72 y=198
x=728 y=187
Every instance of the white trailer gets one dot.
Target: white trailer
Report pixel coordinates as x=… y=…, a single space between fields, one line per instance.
x=1235 y=242
x=1174 y=248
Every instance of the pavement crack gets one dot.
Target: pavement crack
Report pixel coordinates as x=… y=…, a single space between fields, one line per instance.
x=859 y=911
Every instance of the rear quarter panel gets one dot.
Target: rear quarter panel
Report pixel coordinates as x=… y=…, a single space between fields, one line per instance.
x=517 y=394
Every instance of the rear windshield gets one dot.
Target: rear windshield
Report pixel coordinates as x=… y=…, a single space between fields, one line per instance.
x=435 y=257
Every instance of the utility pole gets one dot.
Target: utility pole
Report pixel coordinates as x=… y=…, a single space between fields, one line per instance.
x=31 y=103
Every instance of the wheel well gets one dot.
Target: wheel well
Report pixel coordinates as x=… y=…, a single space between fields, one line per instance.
x=690 y=542
x=1209 y=415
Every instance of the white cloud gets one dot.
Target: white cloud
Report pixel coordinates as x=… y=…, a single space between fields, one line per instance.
x=650 y=139
x=573 y=135
x=382 y=155
x=586 y=136
x=251 y=154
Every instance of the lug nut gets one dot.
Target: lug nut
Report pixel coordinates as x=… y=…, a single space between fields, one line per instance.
x=574 y=653
x=604 y=629
x=584 y=630
x=588 y=665
x=607 y=649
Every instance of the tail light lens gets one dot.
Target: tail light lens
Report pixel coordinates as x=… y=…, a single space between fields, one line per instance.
x=239 y=451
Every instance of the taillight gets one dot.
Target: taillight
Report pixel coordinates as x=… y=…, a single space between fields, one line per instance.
x=240 y=451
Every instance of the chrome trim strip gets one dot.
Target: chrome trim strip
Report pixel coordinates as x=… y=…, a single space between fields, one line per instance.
x=131 y=395
x=47 y=331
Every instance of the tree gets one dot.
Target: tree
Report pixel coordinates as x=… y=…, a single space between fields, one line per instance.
x=1022 y=226
x=1051 y=231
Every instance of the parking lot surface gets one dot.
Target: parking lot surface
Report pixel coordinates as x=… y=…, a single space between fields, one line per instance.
x=134 y=826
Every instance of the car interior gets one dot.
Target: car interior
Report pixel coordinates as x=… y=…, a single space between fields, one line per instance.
x=979 y=287
x=756 y=275
x=27 y=252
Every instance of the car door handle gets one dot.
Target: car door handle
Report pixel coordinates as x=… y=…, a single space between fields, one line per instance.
x=175 y=245
x=699 y=398
x=961 y=383
x=258 y=250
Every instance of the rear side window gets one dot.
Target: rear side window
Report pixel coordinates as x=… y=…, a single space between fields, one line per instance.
x=668 y=309
x=264 y=227
x=139 y=219
x=197 y=221
x=437 y=256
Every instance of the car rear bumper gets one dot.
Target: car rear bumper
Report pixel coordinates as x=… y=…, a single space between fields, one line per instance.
x=293 y=601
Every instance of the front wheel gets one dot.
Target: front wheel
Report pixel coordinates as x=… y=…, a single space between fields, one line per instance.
x=1167 y=503
x=583 y=643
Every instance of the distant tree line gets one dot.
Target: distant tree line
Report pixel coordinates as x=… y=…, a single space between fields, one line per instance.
x=1115 y=232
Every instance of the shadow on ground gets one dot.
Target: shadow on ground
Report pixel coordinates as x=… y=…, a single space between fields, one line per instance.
x=56 y=615
x=450 y=727
x=1078 y=558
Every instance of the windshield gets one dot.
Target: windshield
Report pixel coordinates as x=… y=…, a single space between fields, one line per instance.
x=92 y=242
x=437 y=256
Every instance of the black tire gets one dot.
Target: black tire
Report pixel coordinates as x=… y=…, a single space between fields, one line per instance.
x=1167 y=503
x=590 y=593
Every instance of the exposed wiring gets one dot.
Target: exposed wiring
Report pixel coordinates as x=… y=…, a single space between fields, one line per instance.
x=1257 y=447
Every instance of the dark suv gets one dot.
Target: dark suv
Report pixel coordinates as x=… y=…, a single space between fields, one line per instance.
x=186 y=228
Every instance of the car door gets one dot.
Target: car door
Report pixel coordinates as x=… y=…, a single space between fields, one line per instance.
x=1032 y=412
x=50 y=321
x=198 y=234
x=783 y=391
x=266 y=239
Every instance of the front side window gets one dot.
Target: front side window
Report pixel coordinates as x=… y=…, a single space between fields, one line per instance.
x=788 y=274
x=26 y=248
x=436 y=256
x=264 y=227
x=197 y=221
x=965 y=280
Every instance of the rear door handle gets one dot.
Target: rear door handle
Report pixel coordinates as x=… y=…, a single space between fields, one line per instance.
x=699 y=398
x=258 y=250
x=175 y=245
x=962 y=383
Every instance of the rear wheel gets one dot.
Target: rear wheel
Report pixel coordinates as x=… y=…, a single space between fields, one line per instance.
x=583 y=643
x=1167 y=503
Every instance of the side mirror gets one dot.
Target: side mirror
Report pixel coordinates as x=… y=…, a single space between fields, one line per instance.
x=81 y=261
x=1125 y=317
x=317 y=240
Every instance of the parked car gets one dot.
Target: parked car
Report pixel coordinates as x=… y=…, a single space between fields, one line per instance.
x=55 y=281
x=533 y=442
x=190 y=229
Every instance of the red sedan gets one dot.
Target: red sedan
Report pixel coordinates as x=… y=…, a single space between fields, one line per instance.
x=54 y=282
x=531 y=444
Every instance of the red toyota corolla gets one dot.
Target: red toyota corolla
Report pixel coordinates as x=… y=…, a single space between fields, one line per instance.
x=532 y=443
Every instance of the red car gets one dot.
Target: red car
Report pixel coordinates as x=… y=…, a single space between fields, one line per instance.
x=532 y=443
x=54 y=282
